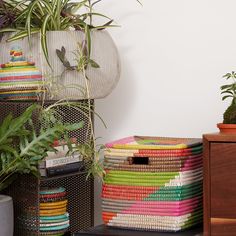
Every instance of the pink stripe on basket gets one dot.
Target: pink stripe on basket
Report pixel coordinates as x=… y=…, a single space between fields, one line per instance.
x=120 y=141
x=173 y=203
x=177 y=212
x=39 y=76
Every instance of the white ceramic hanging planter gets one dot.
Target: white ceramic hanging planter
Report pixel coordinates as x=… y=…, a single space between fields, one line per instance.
x=101 y=81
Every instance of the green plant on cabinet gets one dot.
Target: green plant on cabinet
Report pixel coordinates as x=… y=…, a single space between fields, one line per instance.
x=229 y=92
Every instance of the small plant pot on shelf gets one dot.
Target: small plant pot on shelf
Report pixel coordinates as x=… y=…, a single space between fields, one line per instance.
x=6 y=216
x=227 y=128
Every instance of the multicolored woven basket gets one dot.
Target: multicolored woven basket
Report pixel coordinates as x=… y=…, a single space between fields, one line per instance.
x=20 y=79
x=153 y=183
x=53 y=216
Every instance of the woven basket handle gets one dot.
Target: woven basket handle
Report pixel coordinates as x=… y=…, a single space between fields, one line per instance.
x=139 y=160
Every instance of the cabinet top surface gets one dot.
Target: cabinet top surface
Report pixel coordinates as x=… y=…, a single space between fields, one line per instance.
x=220 y=137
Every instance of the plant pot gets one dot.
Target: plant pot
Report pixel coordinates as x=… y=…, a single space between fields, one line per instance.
x=227 y=128
x=72 y=85
x=6 y=216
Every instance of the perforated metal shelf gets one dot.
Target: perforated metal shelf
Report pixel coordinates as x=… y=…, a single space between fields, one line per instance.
x=25 y=190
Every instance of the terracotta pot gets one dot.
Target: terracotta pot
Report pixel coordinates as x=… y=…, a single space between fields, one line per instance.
x=227 y=128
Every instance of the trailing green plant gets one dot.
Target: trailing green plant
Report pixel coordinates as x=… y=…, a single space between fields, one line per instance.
x=22 y=148
x=89 y=150
x=229 y=91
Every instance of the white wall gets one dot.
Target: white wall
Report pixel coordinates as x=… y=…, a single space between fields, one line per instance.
x=173 y=55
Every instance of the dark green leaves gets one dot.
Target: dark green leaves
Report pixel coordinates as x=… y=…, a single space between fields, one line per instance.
x=62 y=56
x=82 y=58
x=229 y=90
x=22 y=148
x=94 y=64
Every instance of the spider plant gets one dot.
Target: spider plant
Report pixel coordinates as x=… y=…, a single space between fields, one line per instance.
x=40 y=16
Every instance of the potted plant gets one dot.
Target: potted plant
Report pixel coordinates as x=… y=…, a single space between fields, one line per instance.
x=40 y=27
x=229 y=91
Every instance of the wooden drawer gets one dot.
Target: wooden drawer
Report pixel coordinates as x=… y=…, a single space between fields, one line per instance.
x=223 y=180
x=223 y=227
x=219 y=168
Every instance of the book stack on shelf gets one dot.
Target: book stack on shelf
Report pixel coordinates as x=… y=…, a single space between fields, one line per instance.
x=60 y=162
x=54 y=218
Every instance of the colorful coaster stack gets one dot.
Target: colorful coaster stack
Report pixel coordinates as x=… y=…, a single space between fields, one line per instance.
x=153 y=183
x=20 y=79
x=54 y=218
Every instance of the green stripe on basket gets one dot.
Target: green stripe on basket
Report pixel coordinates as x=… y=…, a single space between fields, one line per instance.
x=21 y=83
x=132 y=183
x=180 y=191
x=141 y=174
x=173 y=197
x=175 y=192
x=197 y=184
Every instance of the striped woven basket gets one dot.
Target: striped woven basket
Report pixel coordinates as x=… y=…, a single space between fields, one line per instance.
x=153 y=183
x=20 y=79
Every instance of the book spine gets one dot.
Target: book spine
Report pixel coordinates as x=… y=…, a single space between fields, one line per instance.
x=65 y=169
x=62 y=161
x=42 y=172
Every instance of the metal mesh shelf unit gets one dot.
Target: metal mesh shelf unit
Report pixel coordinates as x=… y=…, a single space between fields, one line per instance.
x=25 y=190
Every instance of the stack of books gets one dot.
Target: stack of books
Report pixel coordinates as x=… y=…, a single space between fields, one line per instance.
x=60 y=162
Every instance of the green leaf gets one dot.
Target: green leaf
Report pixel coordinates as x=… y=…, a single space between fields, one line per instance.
x=60 y=55
x=228 y=96
x=95 y=14
x=76 y=126
x=88 y=40
x=11 y=127
x=225 y=86
x=29 y=17
x=44 y=39
x=227 y=91
x=93 y=64
x=8 y=30
x=22 y=34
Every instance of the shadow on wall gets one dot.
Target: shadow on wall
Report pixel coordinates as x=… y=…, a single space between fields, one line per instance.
x=114 y=109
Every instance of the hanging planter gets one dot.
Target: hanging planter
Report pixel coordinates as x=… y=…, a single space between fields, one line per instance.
x=71 y=84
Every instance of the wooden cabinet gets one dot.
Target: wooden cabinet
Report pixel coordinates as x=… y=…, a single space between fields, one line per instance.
x=219 y=185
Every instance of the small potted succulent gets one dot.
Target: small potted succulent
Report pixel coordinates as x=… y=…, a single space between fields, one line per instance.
x=229 y=91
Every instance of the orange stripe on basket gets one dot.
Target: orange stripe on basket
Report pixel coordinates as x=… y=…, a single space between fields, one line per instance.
x=127 y=192
x=107 y=216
